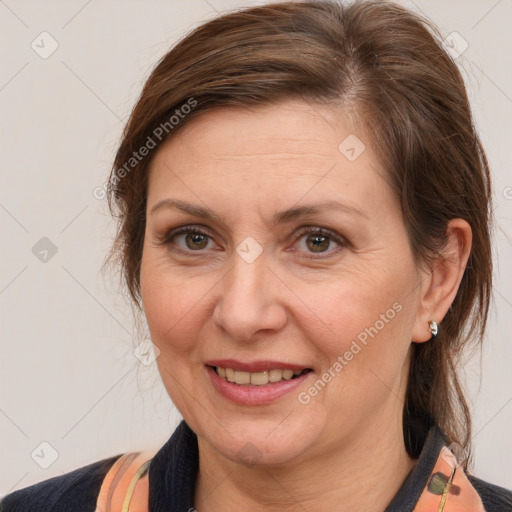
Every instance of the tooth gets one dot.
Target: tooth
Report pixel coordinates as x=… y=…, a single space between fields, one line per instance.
x=287 y=374
x=242 y=377
x=259 y=379
x=275 y=375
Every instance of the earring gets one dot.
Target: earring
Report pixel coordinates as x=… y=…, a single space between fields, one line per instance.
x=433 y=327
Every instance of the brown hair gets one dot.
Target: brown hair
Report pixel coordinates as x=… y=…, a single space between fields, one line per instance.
x=389 y=66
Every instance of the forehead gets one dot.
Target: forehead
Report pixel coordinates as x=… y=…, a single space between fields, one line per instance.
x=287 y=130
x=279 y=152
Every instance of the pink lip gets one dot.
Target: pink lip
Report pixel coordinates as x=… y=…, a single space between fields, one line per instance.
x=255 y=366
x=254 y=395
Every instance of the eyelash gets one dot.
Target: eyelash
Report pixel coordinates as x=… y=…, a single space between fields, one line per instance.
x=306 y=230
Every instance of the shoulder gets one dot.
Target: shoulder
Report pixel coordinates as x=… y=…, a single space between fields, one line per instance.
x=77 y=490
x=494 y=498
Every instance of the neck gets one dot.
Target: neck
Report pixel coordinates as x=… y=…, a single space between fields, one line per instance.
x=363 y=476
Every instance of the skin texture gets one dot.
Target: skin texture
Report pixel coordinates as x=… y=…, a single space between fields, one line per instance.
x=344 y=449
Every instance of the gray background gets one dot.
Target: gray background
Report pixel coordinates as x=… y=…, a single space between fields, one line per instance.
x=69 y=376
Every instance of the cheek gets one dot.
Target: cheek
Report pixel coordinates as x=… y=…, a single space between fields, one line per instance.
x=168 y=303
x=352 y=305
x=174 y=314
x=178 y=308
x=361 y=323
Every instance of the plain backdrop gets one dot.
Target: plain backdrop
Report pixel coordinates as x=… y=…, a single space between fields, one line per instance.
x=72 y=390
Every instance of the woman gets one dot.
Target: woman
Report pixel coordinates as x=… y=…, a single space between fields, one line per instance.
x=304 y=212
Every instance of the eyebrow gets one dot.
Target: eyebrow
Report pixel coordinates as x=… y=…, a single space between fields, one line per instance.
x=279 y=218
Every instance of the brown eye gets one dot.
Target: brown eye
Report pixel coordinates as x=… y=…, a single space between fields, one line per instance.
x=316 y=242
x=195 y=241
x=188 y=239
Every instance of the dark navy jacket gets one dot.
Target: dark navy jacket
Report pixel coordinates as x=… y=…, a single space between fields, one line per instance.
x=172 y=479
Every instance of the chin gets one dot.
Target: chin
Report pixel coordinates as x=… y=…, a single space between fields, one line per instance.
x=253 y=441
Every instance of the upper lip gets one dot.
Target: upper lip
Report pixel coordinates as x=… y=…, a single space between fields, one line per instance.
x=255 y=366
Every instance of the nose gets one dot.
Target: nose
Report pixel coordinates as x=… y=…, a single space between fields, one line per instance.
x=248 y=303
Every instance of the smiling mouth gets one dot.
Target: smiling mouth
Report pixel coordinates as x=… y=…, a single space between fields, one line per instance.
x=262 y=378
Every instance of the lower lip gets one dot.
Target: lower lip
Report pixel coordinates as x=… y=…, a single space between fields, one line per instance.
x=254 y=395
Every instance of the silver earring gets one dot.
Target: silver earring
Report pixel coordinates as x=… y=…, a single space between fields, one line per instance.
x=433 y=327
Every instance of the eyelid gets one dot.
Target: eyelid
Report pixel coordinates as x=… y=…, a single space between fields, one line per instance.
x=167 y=237
x=338 y=239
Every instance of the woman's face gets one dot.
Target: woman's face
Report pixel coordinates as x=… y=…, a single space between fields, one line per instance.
x=273 y=244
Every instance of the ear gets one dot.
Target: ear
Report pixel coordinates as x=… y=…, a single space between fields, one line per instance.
x=440 y=284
